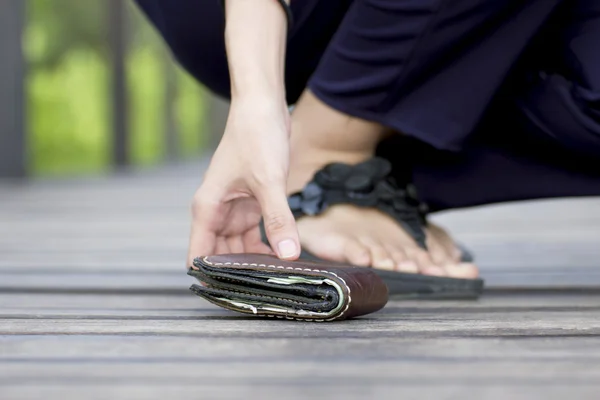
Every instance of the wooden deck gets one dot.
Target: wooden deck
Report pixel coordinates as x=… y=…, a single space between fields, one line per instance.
x=94 y=304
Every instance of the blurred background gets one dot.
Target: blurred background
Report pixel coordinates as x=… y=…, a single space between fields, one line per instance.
x=95 y=88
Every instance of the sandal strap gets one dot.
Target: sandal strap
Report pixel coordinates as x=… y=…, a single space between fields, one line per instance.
x=367 y=184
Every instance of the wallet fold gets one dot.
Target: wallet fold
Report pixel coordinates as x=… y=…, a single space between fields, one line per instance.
x=266 y=286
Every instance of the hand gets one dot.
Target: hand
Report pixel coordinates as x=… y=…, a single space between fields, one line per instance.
x=246 y=180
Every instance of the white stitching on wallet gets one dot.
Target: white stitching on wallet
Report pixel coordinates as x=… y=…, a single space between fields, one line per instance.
x=206 y=260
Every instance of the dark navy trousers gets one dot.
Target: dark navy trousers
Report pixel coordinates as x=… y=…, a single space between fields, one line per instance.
x=497 y=100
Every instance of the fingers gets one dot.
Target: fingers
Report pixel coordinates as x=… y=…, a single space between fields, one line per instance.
x=253 y=243
x=235 y=244
x=222 y=246
x=280 y=224
x=203 y=241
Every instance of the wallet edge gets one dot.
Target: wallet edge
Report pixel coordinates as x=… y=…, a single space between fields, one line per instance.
x=280 y=268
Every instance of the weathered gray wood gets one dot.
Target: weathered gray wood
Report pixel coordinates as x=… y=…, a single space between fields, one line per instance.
x=118 y=281
x=183 y=349
x=503 y=316
x=556 y=302
x=129 y=346
x=123 y=346
x=415 y=325
x=12 y=72
x=344 y=389
x=294 y=371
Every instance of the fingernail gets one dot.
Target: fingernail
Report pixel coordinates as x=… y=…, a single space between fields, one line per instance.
x=287 y=248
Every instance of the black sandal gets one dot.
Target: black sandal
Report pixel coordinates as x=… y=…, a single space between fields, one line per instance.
x=369 y=184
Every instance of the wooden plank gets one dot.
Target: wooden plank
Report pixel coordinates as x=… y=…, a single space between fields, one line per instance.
x=228 y=325
x=391 y=322
x=294 y=371
x=90 y=302
x=117 y=281
x=186 y=350
x=12 y=73
x=152 y=346
x=530 y=302
x=339 y=389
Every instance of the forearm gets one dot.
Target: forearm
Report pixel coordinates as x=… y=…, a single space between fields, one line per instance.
x=255 y=38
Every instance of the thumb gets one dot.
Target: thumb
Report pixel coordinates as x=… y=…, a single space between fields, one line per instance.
x=280 y=225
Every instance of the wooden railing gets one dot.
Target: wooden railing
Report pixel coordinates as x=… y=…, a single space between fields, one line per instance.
x=12 y=70
x=13 y=148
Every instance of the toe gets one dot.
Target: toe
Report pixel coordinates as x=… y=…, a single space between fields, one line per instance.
x=328 y=246
x=357 y=253
x=424 y=262
x=462 y=270
x=437 y=251
x=380 y=258
x=445 y=241
x=401 y=260
x=409 y=267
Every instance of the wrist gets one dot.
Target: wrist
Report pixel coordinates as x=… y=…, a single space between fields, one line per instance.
x=258 y=114
x=257 y=79
x=259 y=99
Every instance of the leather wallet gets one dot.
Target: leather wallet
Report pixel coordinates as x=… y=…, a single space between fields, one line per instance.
x=266 y=286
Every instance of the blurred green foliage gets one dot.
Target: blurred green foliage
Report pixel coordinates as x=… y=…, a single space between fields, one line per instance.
x=68 y=90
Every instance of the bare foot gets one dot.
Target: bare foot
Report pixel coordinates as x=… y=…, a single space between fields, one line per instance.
x=346 y=233
x=368 y=237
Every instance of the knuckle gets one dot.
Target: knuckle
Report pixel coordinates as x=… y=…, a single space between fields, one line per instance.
x=275 y=222
x=197 y=201
x=200 y=204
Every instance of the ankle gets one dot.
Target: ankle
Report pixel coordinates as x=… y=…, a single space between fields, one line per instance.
x=322 y=135
x=318 y=126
